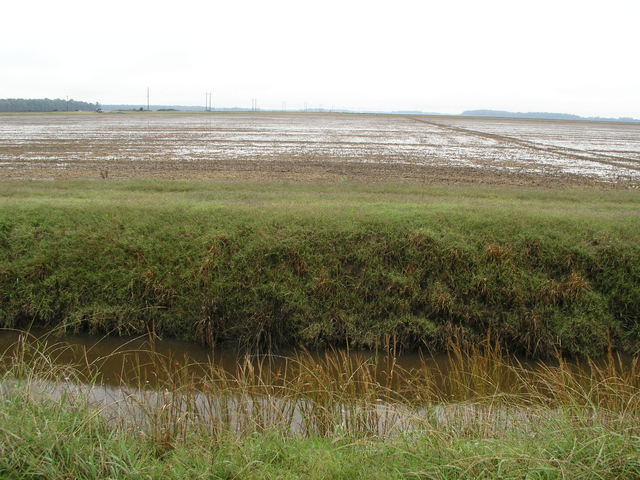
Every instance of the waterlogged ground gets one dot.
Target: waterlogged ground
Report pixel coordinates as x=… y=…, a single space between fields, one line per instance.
x=319 y=146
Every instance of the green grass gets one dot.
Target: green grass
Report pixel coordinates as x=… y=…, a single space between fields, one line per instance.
x=279 y=264
x=77 y=444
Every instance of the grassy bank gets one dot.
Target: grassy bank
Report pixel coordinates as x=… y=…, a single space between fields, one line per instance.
x=557 y=422
x=319 y=264
x=78 y=444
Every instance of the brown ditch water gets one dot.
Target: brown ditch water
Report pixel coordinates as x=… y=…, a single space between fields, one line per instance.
x=167 y=387
x=119 y=361
x=144 y=363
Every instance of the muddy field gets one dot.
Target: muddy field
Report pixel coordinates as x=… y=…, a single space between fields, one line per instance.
x=296 y=146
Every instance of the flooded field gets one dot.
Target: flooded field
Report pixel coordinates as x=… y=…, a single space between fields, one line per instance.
x=319 y=146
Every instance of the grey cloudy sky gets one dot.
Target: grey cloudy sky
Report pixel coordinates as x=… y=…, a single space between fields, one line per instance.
x=446 y=56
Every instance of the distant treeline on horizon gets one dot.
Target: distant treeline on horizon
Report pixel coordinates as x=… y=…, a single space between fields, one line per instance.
x=45 y=105
x=542 y=115
x=62 y=105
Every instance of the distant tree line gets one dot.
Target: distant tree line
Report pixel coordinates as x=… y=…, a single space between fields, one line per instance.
x=542 y=115
x=44 y=105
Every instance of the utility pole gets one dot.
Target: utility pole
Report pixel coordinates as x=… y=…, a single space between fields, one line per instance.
x=147 y=99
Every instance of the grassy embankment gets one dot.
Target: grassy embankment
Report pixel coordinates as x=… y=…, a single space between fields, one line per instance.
x=552 y=422
x=315 y=264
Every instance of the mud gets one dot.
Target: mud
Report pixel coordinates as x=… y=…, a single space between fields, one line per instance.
x=301 y=147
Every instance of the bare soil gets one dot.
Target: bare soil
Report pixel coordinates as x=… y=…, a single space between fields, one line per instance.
x=326 y=147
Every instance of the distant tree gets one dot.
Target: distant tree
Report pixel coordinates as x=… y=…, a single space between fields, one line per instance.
x=43 y=105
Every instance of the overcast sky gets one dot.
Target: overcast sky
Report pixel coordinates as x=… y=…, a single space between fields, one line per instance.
x=443 y=56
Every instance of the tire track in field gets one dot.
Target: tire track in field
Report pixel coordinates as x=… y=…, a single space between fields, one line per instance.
x=575 y=153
